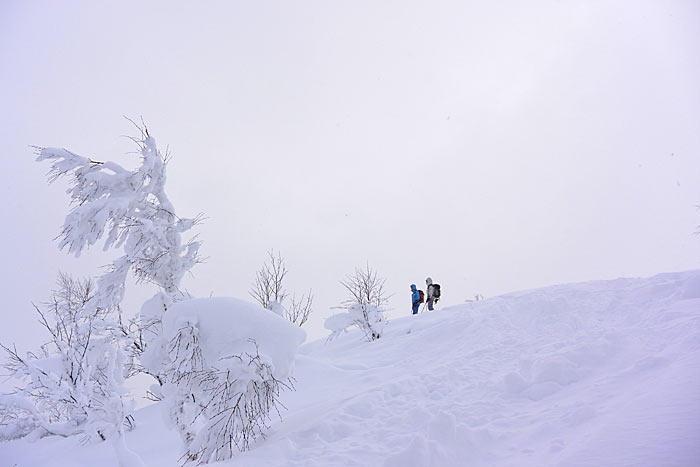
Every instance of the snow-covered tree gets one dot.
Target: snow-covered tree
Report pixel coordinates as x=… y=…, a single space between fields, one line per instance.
x=74 y=384
x=129 y=209
x=268 y=290
x=365 y=306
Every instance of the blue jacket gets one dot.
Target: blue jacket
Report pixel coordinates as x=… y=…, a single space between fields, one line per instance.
x=415 y=296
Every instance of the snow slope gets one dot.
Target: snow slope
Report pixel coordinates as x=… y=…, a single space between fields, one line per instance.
x=602 y=373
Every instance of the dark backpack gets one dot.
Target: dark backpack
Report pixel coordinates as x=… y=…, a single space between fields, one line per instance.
x=422 y=296
x=436 y=290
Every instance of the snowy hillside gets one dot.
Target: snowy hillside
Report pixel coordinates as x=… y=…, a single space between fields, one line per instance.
x=592 y=374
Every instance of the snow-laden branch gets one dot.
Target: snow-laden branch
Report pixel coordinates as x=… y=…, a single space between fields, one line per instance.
x=129 y=209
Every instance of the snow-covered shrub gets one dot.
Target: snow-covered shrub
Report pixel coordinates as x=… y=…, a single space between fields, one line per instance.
x=268 y=290
x=365 y=308
x=225 y=362
x=74 y=384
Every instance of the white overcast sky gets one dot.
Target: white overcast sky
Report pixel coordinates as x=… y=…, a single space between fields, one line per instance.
x=493 y=145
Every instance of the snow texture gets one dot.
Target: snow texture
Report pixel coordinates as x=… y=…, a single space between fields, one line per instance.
x=593 y=374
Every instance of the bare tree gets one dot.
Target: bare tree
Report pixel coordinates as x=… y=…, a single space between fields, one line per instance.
x=268 y=287
x=268 y=290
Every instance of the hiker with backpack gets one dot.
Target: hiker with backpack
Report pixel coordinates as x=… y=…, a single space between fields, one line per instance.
x=433 y=293
x=417 y=298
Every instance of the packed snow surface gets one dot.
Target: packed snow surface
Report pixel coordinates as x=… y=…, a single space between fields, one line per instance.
x=592 y=374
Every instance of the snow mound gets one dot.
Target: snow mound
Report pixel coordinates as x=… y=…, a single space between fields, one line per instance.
x=229 y=326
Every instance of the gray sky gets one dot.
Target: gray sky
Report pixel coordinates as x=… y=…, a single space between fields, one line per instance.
x=493 y=145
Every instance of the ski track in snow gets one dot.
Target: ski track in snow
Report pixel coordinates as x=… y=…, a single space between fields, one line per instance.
x=590 y=374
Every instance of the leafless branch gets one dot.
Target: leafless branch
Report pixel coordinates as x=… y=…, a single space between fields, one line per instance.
x=268 y=286
x=298 y=311
x=365 y=287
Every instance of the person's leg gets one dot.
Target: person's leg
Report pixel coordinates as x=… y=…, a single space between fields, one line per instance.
x=430 y=304
x=415 y=308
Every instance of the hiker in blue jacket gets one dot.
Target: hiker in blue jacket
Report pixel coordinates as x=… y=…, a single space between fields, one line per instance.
x=415 y=297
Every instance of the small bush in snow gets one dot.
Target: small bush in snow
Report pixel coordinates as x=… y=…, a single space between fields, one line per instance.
x=268 y=290
x=365 y=306
x=225 y=362
x=220 y=408
x=74 y=384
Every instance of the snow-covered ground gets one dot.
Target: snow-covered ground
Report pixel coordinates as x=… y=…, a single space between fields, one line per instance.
x=595 y=374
